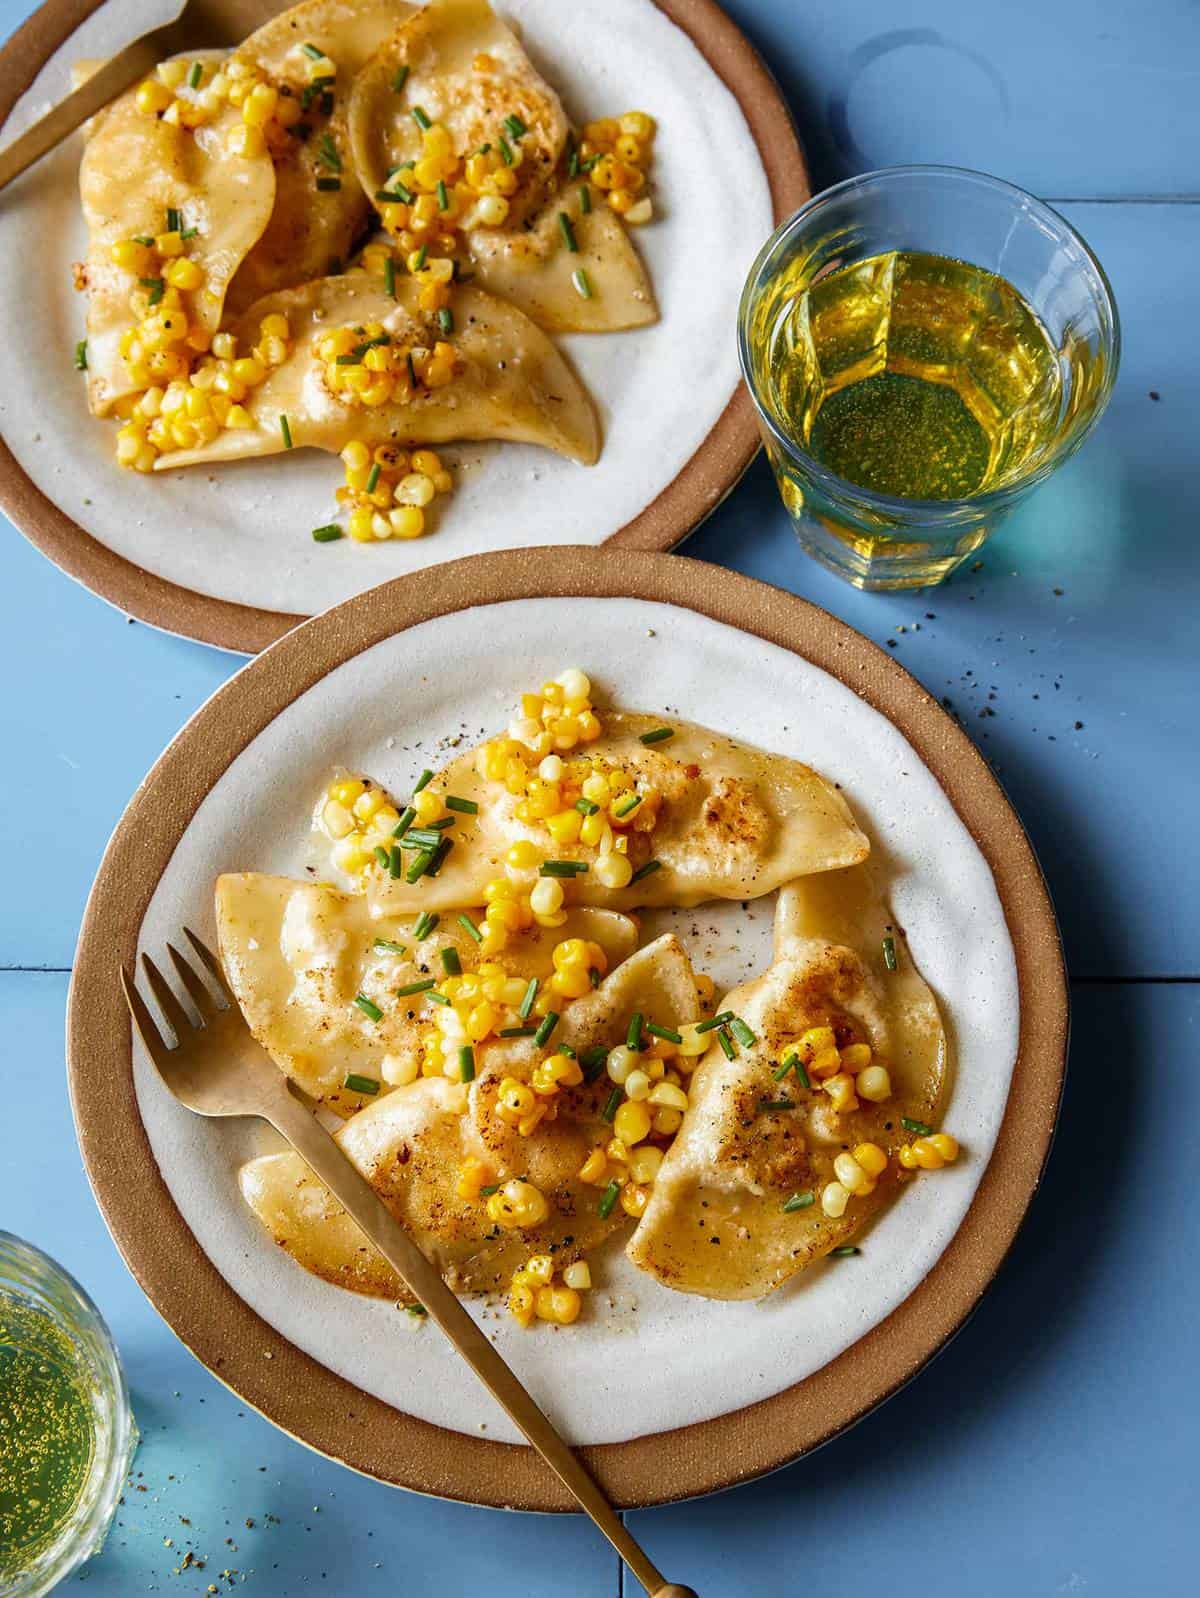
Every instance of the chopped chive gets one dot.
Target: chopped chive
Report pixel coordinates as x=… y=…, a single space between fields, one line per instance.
x=389 y=276
x=329 y=185
x=327 y=534
x=446 y=319
x=658 y=736
x=312 y=52
x=189 y=232
x=605 y=1207
x=423 y=780
x=412 y=988
x=443 y=196
x=424 y=924
x=549 y=1022
x=421 y=838
x=400 y=79
x=439 y=856
x=157 y=288
x=919 y=1127
x=361 y=1084
x=451 y=964
x=742 y=1032
x=195 y=75
x=81 y=356
x=307 y=95
x=527 y=1002
x=468 y=925
x=844 y=1252
x=585 y=199
x=717 y=1020
x=593 y=1061
x=388 y=947
x=723 y=1040
x=565 y=1048
x=368 y=1007
x=889 y=953
x=440 y=826
x=412 y=370
x=286 y=429
x=420 y=118
x=663 y=1032
x=582 y=282
x=419 y=866
x=438 y=998
x=373 y=478
x=776 y=1104
x=486 y=1192
x=326 y=104
x=398 y=195
x=628 y=806
x=633 y=1033
x=562 y=868
x=515 y=128
x=465 y=807
x=327 y=152
x=382 y=855
x=610 y=1105
x=174 y=220
x=589 y=163
x=483 y=149
x=647 y=870
x=799 y=1201
x=585 y=807
x=422 y=257
x=594 y=976
x=505 y=147
x=407 y=816
x=417 y=1311
x=568 y=233
x=143 y=238
x=516 y=1031
x=794 y=1062
x=395 y=861
x=466 y=1063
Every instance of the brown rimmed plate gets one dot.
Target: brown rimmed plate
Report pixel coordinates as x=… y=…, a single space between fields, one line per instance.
x=224 y=556
x=821 y=677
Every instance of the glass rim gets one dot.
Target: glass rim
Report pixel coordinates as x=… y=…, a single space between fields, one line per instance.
x=81 y=1536
x=892 y=506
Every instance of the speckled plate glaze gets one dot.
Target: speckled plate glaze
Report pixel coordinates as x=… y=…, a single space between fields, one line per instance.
x=669 y=1395
x=223 y=555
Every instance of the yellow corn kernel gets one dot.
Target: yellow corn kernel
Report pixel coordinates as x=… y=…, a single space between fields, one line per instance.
x=815 y=1041
x=428 y=806
x=907 y=1158
x=356 y=456
x=248 y=142
x=347 y=789
x=927 y=1155
x=632 y=1123
x=637 y=124
x=621 y=1061
x=834 y=1199
x=238 y=416
x=634 y=1199
x=851 y=1174
x=595 y=1168
x=642 y=212
x=644 y=1163
x=637 y=1084
x=546 y=899
x=172 y=73
x=841 y=1090
x=131 y=256
x=359 y=527
x=667 y=1122
x=538 y=1271
x=521 y=1300
x=613 y=870
x=872 y=1159
x=694 y=1043
x=517 y=1204
x=183 y=274
x=946 y=1146
x=514 y=1101
x=153 y=97
x=259 y=105
x=560 y=1305
x=856 y=1057
x=578 y=1276
x=874 y=1084
x=472 y=1176
x=668 y=1096
x=408 y=521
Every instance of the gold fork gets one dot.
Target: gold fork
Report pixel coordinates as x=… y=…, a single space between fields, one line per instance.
x=201 y=25
x=215 y=1067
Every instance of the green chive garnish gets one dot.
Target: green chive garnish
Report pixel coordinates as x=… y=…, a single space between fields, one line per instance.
x=889 y=953
x=382 y=855
x=723 y=1040
x=368 y=1007
x=424 y=924
x=593 y=1061
x=81 y=355
x=386 y=946
x=549 y=1022
x=328 y=534
x=157 y=288
x=568 y=233
x=419 y=866
x=420 y=118
x=585 y=807
x=793 y=1062
x=373 y=478
x=506 y=154
x=446 y=319
x=919 y=1127
x=361 y=1084
x=610 y=1105
x=582 y=282
x=443 y=197
x=516 y=1031
x=562 y=868
x=407 y=816
x=400 y=79
x=647 y=870
x=189 y=233
x=415 y=987
x=486 y=1192
x=327 y=153
x=195 y=75
x=465 y=807
x=605 y=1206
x=395 y=861
x=466 y=1063
x=663 y=1032
x=527 y=1002
x=594 y=976
x=628 y=806
x=398 y=195
x=438 y=998
x=658 y=736
x=329 y=185
x=389 y=276
x=717 y=1020
x=798 y=1201
x=422 y=257
x=412 y=370
x=143 y=238
x=286 y=430
x=844 y=1252
x=312 y=52
x=451 y=964
x=775 y=1104
x=421 y=838
x=633 y=1033
x=515 y=128
x=423 y=780
x=742 y=1032
x=174 y=220
x=585 y=199
x=468 y=925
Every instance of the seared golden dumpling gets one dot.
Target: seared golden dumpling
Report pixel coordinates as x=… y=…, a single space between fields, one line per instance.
x=733 y=823
x=738 y=1204
x=508 y=381
x=135 y=168
x=298 y=955
x=414 y=1144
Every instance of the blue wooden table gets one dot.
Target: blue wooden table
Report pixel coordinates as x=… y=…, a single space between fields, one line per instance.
x=1050 y=1450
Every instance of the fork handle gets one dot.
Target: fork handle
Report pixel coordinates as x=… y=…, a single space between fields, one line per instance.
x=110 y=80
x=318 y=1150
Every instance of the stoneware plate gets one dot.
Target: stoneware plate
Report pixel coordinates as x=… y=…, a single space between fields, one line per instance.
x=223 y=554
x=669 y=1395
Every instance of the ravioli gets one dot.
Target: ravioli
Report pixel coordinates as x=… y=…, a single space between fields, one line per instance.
x=461 y=66
x=513 y=383
x=716 y=1222
x=297 y=954
x=735 y=823
x=313 y=223
x=412 y=1144
x=135 y=168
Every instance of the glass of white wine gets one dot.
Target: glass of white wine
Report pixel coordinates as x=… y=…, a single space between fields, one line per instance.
x=924 y=345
